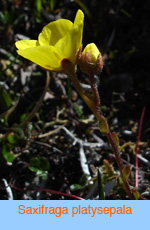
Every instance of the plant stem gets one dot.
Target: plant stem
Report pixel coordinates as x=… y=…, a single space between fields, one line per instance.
x=68 y=88
x=120 y=164
x=47 y=190
x=92 y=104
x=94 y=90
x=137 y=148
x=87 y=98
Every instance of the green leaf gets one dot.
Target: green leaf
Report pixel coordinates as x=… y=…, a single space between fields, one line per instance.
x=82 y=183
x=40 y=163
x=126 y=172
x=120 y=181
x=100 y=186
x=35 y=161
x=83 y=179
x=23 y=117
x=12 y=139
x=5 y=100
x=103 y=126
x=116 y=139
x=44 y=164
x=76 y=187
x=39 y=172
x=40 y=166
x=44 y=176
x=9 y=157
x=78 y=111
x=136 y=194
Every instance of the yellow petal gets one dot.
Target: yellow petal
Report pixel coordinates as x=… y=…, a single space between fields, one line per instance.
x=44 y=36
x=69 y=45
x=44 y=56
x=93 y=53
x=24 y=44
x=79 y=18
x=54 y=31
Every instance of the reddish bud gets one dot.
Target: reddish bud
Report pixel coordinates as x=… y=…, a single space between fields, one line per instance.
x=90 y=61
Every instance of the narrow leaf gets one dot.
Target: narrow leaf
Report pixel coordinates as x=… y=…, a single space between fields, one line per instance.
x=126 y=172
x=116 y=139
x=136 y=194
x=103 y=126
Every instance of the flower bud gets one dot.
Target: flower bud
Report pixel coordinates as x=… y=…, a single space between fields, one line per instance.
x=90 y=61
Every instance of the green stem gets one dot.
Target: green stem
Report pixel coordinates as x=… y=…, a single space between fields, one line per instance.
x=92 y=104
x=87 y=98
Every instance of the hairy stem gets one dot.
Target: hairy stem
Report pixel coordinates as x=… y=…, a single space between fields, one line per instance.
x=89 y=100
x=120 y=164
x=92 y=103
x=94 y=90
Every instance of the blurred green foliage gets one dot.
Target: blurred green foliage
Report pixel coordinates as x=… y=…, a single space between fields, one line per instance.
x=39 y=166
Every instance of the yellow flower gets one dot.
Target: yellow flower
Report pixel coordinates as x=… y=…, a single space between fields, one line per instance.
x=58 y=40
x=93 y=52
x=91 y=59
